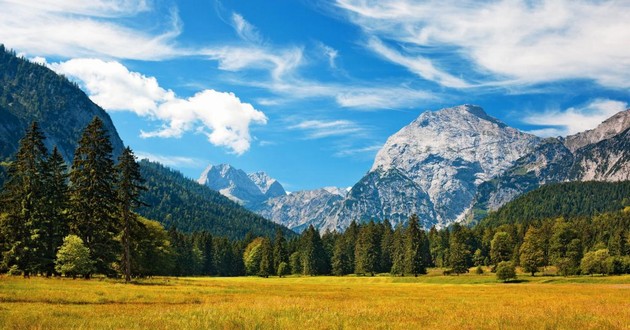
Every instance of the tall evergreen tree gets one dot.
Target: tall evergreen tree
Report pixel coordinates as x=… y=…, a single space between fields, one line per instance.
x=340 y=261
x=366 y=257
x=22 y=201
x=128 y=189
x=414 y=263
x=313 y=255
x=55 y=224
x=398 y=251
x=280 y=253
x=387 y=243
x=458 y=254
x=266 y=258
x=92 y=197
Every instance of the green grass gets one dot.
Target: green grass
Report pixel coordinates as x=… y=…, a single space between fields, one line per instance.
x=431 y=301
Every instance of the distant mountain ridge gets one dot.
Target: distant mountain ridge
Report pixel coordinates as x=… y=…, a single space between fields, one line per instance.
x=600 y=154
x=457 y=164
x=248 y=190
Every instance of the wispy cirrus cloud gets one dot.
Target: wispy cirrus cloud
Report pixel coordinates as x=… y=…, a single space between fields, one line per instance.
x=221 y=116
x=174 y=161
x=86 y=28
x=318 y=129
x=370 y=151
x=575 y=119
x=513 y=41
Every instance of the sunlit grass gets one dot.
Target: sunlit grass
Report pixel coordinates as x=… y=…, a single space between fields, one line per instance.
x=432 y=301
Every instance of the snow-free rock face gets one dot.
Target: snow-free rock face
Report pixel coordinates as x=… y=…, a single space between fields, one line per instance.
x=607 y=129
x=247 y=190
x=446 y=154
x=300 y=209
x=600 y=154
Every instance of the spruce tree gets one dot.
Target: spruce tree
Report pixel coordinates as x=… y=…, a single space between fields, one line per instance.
x=340 y=261
x=266 y=259
x=93 y=202
x=313 y=255
x=22 y=201
x=55 y=221
x=280 y=253
x=128 y=189
x=366 y=257
x=398 y=251
x=387 y=239
x=414 y=263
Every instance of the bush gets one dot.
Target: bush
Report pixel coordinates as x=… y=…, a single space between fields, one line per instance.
x=506 y=271
x=73 y=258
x=595 y=262
x=479 y=270
x=15 y=271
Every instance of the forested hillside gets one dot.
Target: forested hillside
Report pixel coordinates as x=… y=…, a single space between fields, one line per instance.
x=31 y=92
x=177 y=201
x=571 y=199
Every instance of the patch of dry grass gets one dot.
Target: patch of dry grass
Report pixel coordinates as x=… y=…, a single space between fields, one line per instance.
x=463 y=302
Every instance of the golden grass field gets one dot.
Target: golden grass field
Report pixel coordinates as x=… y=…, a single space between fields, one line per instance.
x=431 y=301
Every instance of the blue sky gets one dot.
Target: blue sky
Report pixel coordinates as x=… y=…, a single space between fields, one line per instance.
x=308 y=91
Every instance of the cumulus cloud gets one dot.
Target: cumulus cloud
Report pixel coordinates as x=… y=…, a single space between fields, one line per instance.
x=514 y=40
x=221 y=116
x=317 y=129
x=575 y=119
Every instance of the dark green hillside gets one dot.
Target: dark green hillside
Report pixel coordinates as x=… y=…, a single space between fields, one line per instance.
x=31 y=92
x=572 y=199
x=176 y=200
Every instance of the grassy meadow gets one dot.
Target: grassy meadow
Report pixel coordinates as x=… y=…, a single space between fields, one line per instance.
x=432 y=301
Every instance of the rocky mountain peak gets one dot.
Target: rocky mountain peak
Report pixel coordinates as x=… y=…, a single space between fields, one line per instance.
x=607 y=129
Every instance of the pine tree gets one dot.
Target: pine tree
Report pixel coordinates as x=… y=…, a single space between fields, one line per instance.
x=22 y=201
x=55 y=207
x=280 y=253
x=266 y=258
x=458 y=255
x=92 y=197
x=340 y=261
x=128 y=189
x=313 y=254
x=387 y=239
x=413 y=248
x=398 y=251
x=366 y=257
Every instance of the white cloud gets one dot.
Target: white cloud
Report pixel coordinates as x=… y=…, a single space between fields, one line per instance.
x=371 y=150
x=173 y=161
x=85 y=29
x=221 y=116
x=330 y=53
x=317 y=129
x=246 y=30
x=518 y=41
x=575 y=119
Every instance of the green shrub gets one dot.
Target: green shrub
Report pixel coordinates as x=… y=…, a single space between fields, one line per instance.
x=506 y=271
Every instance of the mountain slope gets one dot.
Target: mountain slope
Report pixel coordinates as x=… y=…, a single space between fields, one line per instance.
x=554 y=161
x=437 y=162
x=175 y=200
x=31 y=92
x=569 y=199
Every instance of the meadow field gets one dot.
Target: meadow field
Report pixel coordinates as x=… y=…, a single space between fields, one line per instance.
x=432 y=301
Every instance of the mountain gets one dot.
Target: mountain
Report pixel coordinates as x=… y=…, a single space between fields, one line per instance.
x=568 y=200
x=175 y=200
x=32 y=92
x=248 y=190
x=601 y=154
x=300 y=209
x=432 y=167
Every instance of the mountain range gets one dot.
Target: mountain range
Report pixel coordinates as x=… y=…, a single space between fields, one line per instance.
x=451 y=165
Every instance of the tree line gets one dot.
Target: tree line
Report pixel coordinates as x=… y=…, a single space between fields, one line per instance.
x=81 y=221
